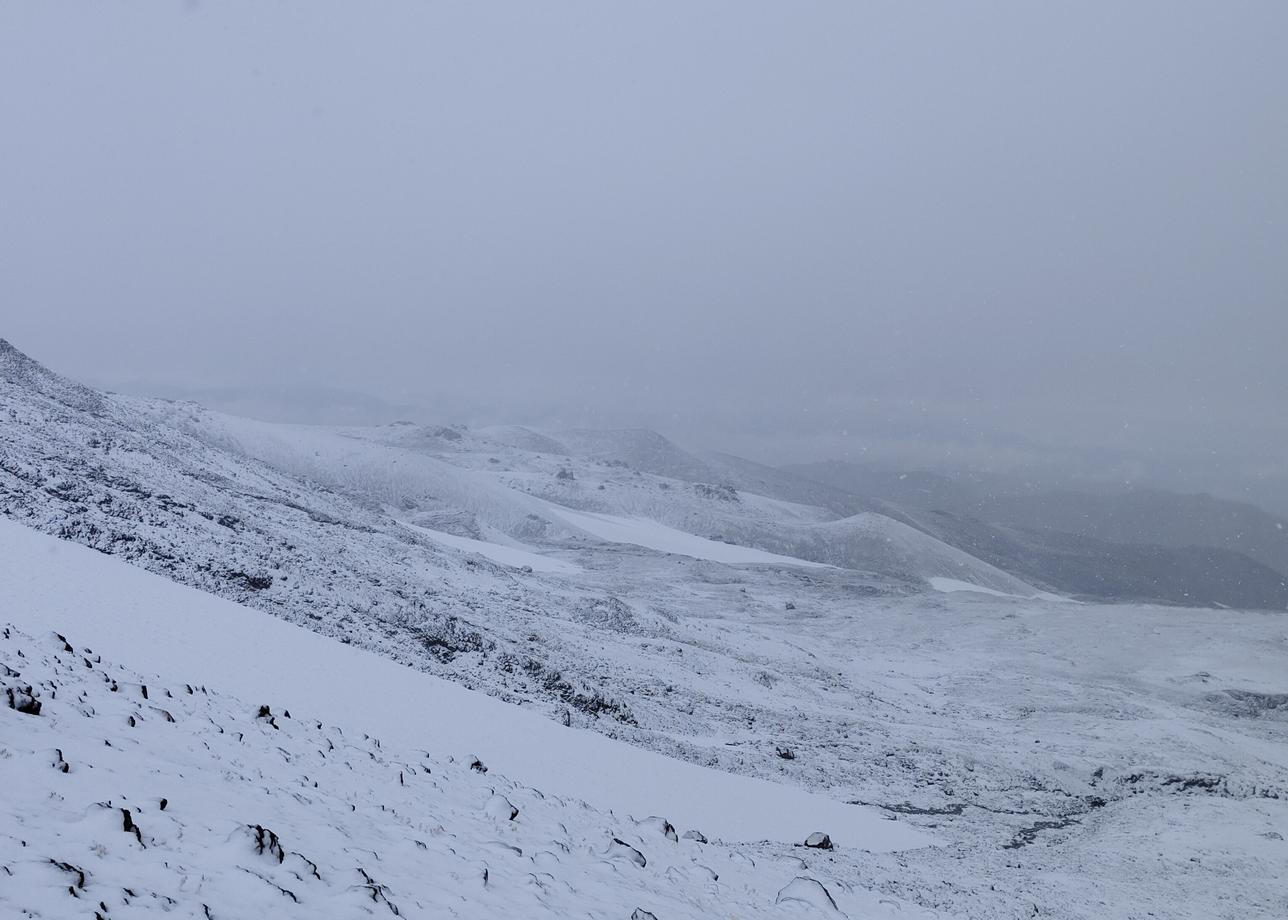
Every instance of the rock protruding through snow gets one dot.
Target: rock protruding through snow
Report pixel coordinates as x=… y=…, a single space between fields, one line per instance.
x=803 y=890
x=819 y=841
x=213 y=814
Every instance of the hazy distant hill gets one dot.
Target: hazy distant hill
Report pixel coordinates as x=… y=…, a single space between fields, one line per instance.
x=1122 y=544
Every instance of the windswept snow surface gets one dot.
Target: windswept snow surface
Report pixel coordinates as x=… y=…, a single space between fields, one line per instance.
x=133 y=615
x=652 y=535
x=506 y=555
x=953 y=585
x=950 y=585
x=128 y=793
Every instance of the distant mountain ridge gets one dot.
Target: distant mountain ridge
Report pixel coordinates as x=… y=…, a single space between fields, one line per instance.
x=1128 y=543
x=1142 y=546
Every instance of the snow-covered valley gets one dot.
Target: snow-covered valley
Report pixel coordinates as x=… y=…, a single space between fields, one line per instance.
x=1056 y=759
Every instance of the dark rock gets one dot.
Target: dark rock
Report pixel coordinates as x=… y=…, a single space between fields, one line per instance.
x=819 y=841
x=130 y=827
x=75 y=871
x=22 y=698
x=267 y=842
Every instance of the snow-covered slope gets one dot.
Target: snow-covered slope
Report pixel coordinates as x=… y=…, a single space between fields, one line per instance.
x=651 y=534
x=128 y=613
x=479 y=481
x=246 y=767
x=1080 y=760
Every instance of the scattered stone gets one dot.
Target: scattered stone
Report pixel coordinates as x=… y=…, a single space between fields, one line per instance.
x=22 y=698
x=477 y=765
x=785 y=752
x=802 y=890
x=660 y=826
x=380 y=893
x=499 y=807
x=695 y=835
x=641 y=914
x=267 y=842
x=128 y=825
x=76 y=871
x=620 y=849
x=819 y=841
x=706 y=872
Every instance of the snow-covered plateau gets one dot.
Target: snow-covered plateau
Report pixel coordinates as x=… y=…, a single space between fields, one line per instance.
x=624 y=631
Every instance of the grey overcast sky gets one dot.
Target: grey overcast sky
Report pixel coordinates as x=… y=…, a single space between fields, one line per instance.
x=796 y=228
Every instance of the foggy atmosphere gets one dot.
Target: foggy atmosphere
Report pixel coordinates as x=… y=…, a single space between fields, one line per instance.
x=673 y=460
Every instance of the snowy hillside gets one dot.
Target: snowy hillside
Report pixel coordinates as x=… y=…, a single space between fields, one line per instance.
x=1062 y=756
x=133 y=792
x=471 y=483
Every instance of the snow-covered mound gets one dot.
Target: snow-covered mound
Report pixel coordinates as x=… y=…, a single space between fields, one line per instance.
x=651 y=534
x=879 y=544
x=639 y=449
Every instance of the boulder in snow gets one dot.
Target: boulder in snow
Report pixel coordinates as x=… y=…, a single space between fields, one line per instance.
x=499 y=807
x=802 y=890
x=22 y=698
x=660 y=826
x=620 y=849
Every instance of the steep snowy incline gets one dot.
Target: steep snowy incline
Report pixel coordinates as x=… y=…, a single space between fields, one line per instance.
x=130 y=794
x=132 y=615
